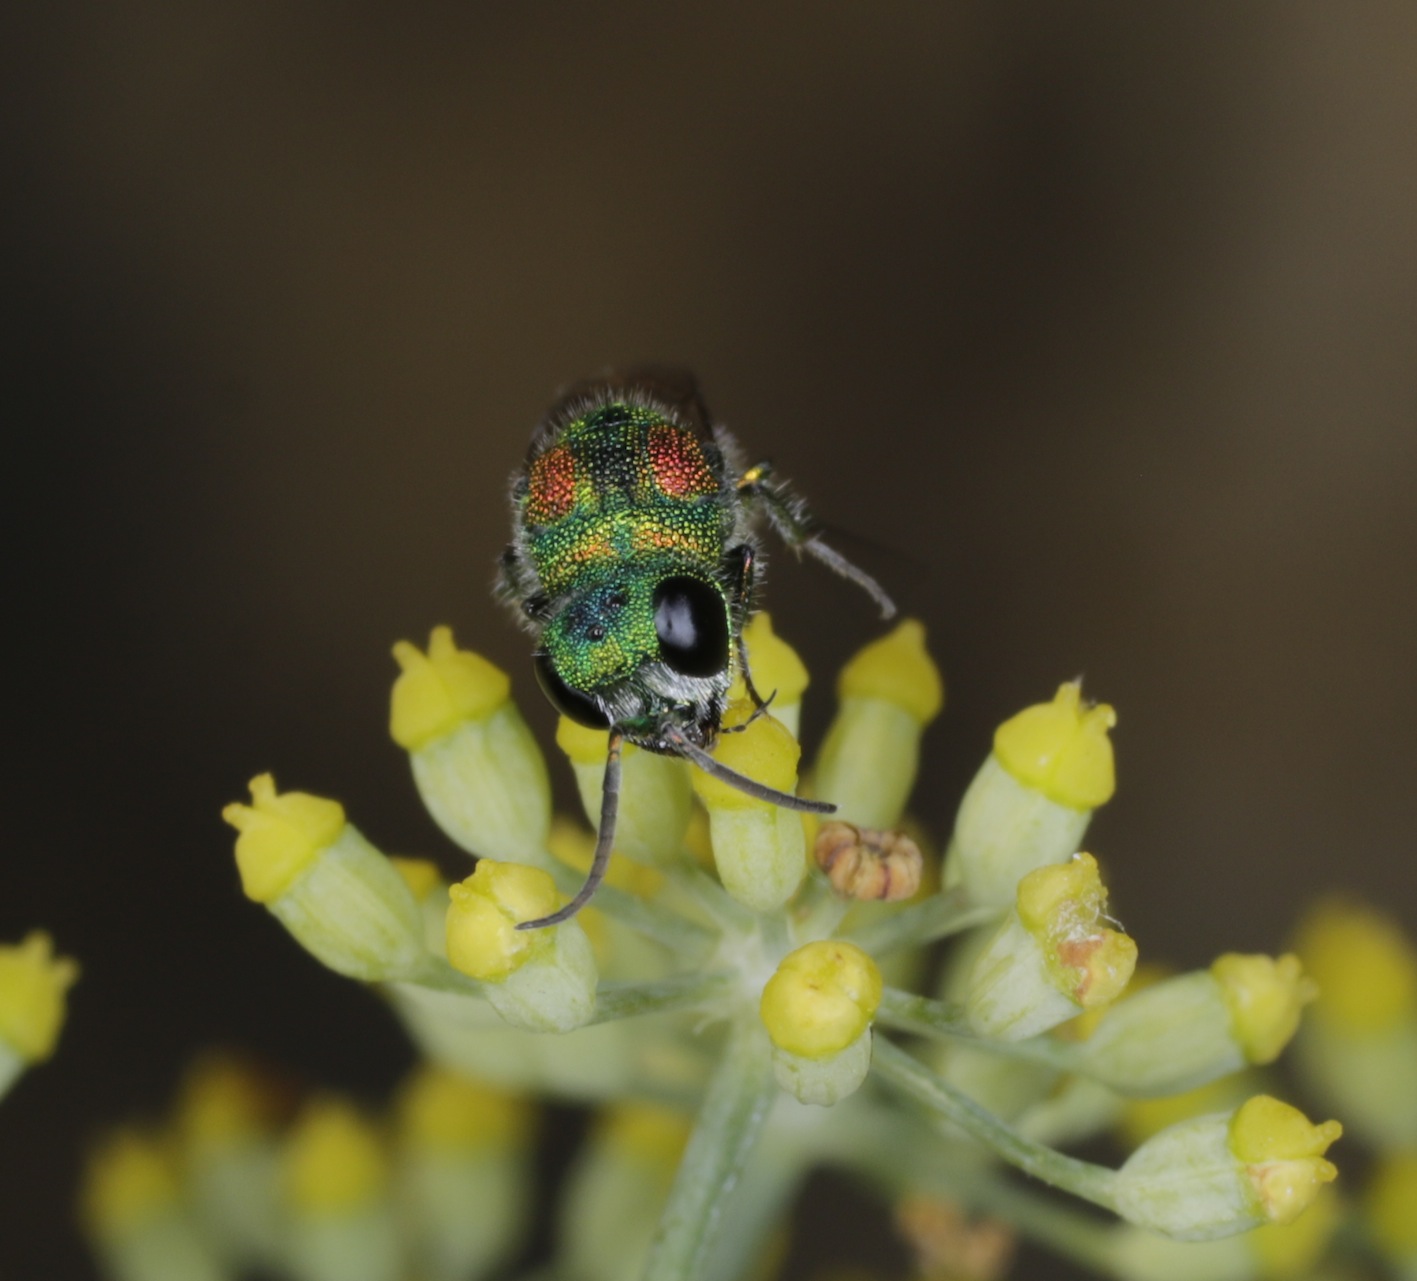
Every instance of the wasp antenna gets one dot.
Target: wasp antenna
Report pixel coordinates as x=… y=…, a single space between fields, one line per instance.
x=838 y=564
x=604 y=842
x=742 y=782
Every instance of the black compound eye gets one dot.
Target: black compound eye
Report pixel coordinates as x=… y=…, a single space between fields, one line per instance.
x=691 y=620
x=571 y=703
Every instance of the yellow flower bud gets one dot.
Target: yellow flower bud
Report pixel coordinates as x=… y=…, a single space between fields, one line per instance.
x=224 y=1101
x=341 y=899
x=1051 y=957
x=334 y=1161
x=421 y=875
x=1265 y=997
x=542 y=979
x=760 y=849
x=1283 y=1155
x=1391 y=1206
x=129 y=1179
x=33 y=984
x=656 y=800
x=438 y=1108
x=764 y=752
x=483 y=939
x=871 y=753
x=1365 y=969
x=896 y=669
x=280 y=836
x=645 y=1131
x=475 y=762
x=439 y=690
x=822 y=997
x=778 y=673
x=1061 y=749
x=1063 y=906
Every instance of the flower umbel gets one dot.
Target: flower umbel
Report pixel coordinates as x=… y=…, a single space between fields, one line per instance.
x=745 y=971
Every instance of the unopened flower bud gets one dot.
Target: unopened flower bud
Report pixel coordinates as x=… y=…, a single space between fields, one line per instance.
x=1390 y=1206
x=1052 y=957
x=335 y=1182
x=132 y=1212
x=464 y=1173
x=341 y=899
x=868 y=865
x=475 y=762
x=1224 y=1173
x=227 y=1117
x=617 y=1187
x=1358 y=1047
x=656 y=799
x=888 y=693
x=818 y=1009
x=1032 y=799
x=760 y=849
x=539 y=979
x=33 y=987
x=1184 y=1031
x=778 y=673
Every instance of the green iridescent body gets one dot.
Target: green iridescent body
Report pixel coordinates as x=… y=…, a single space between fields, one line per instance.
x=632 y=561
x=607 y=509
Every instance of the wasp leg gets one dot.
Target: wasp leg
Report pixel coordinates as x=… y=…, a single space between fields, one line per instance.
x=604 y=842
x=789 y=516
x=745 y=555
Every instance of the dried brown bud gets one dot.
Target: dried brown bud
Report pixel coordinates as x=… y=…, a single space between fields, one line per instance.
x=947 y=1243
x=866 y=864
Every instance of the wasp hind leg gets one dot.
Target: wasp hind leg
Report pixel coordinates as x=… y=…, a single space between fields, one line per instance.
x=788 y=515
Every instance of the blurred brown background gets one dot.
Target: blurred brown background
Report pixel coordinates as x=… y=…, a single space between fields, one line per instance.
x=1103 y=317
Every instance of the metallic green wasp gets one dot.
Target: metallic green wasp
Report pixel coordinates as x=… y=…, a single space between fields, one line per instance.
x=633 y=561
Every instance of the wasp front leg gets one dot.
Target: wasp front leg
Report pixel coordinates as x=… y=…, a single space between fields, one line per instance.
x=788 y=515
x=742 y=561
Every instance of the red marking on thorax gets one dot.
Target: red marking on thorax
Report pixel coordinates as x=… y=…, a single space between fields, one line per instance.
x=551 y=486
x=678 y=463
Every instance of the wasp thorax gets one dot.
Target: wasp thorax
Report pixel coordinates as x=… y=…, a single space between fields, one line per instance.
x=862 y=863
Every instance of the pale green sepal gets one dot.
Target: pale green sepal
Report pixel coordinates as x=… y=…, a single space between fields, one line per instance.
x=352 y=911
x=656 y=804
x=234 y=1194
x=358 y=1246
x=1187 y=1183
x=760 y=852
x=823 y=1081
x=553 y=993
x=868 y=762
x=1003 y=831
x=1011 y=994
x=166 y=1248
x=1165 y=1039
x=486 y=785
x=469 y=1211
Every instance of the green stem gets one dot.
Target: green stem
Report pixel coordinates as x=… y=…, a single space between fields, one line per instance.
x=678 y=992
x=936 y=917
x=730 y=1120
x=945 y=1021
x=1095 y=1183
